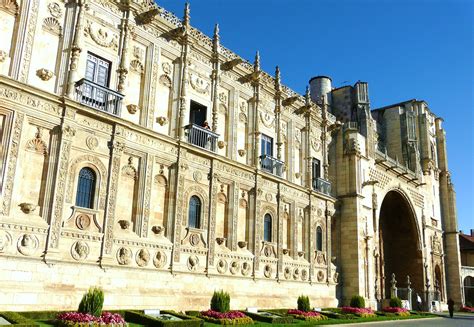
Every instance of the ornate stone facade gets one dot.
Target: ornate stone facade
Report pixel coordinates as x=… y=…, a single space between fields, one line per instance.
x=111 y=177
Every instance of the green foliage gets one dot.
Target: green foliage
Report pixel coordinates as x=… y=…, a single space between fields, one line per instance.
x=17 y=319
x=220 y=301
x=92 y=302
x=270 y=319
x=395 y=302
x=142 y=319
x=303 y=303
x=357 y=301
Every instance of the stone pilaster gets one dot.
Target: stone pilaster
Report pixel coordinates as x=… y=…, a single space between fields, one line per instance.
x=76 y=48
x=233 y=213
x=122 y=70
x=185 y=48
x=147 y=182
x=181 y=167
x=211 y=226
x=215 y=78
x=150 y=108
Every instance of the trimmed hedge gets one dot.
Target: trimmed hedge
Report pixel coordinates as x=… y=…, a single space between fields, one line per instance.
x=395 y=302
x=303 y=303
x=235 y=321
x=142 y=319
x=272 y=320
x=357 y=301
x=17 y=319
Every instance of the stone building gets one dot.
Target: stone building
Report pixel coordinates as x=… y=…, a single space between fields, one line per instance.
x=140 y=155
x=466 y=247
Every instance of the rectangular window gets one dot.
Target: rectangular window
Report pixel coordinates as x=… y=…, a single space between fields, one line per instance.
x=316 y=169
x=197 y=114
x=267 y=145
x=98 y=70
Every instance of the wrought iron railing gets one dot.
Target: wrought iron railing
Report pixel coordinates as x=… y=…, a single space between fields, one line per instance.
x=98 y=97
x=322 y=186
x=271 y=165
x=201 y=137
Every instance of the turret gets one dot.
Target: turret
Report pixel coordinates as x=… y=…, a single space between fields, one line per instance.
x=319 y=86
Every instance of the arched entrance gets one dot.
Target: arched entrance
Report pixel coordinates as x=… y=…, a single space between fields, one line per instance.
x=439 y=283
x=401 y=252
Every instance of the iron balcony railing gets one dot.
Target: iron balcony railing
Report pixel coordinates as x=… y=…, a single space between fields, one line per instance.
x=322 y=186
x=201 y=137
x=271 y=165
x=98 y=97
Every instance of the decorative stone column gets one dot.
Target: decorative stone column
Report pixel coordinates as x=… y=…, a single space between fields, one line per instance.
x=256 y=101
x=76 y=49
x=124 y=62
x=215 y=77
x=278 y=111
x=307 y=155
x=184 y=40
x=393 y=288
x=211 y=231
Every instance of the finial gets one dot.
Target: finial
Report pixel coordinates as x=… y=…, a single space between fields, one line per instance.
x=187 y=17
x=307 y=96
x=257 y=62
x=277 y=78
x=215 y=39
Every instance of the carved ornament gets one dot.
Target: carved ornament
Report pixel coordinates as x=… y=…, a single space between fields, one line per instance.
x=124 y=256
x=132 y=108
x=92 y=142
x=159 y=259
x=142 y=257
x=27 y=244
x=3 y=55
x=52 y=25
x=234 y=267
x=79 y=250
x=221 y=266
x=162 y=120
x=44 y=74
x=199 y=84
x=27 y=207
x=5 y=240
x=37 y=144
x=101 y=36
x=55 y=9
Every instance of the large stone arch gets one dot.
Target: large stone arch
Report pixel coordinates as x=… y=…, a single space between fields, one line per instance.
x=400 y=243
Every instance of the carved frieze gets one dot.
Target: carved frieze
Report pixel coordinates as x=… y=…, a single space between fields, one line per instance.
x=31 y=101
x=101 y=35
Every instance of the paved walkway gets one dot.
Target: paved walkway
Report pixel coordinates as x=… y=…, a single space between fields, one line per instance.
x=459 y=320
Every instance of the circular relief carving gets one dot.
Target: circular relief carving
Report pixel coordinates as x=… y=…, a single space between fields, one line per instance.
x=222 y=266
x=268 y=251
x=5 y=240
x=142 y=257
x=320 y=276
x=246 y=268
x=124 y=256
x=193 y=263
x=160 y=259
x=234 y=267
x=304 y=274
x=269 y=197
x=55 y=9
x=320 y=212
x=296 y=274
x=92 y=142
x=79 y=250
x=194 y=239
x=267 y=271
x=287 y=273
x=166 y=67
x=83 y=221
x=197 y=176
x=27 y=244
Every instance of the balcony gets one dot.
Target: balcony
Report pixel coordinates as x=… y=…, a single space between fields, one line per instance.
x=201 y=137
x=322 y=186
x=98 y=97
x=271 y=165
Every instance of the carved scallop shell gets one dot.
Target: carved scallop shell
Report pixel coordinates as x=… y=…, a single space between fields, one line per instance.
x=52 y=25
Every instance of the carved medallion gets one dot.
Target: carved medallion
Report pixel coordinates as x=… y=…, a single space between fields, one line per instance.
x=268 y=251
x=100 y=35
x=5 y=240
x=246 y=268
x=142 y=257
x=267 y=119
x=267 y=271
x=159 y=260
x=83 y=221
x=222 y=266
x=199 y=84
x=193 y=263
x=304 y=274
x=287 y=272
x=124 y=256
x=166 y=68
x=92 y=142
x=296 y=274
x=234 y=267
x=197 y=176
x=79 y=250
x=55 y=9
x=320 y=276
x=194 y=239
x=27 y=244
x=269 y=197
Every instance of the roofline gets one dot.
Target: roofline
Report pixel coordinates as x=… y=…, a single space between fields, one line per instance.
x=395 y=105
x=320 y=76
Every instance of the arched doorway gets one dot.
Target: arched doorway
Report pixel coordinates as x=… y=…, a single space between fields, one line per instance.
x=439 y=283
x=401 y=252
x=469 y=291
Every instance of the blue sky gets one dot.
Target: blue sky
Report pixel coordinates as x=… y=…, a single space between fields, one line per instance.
x=404 y=49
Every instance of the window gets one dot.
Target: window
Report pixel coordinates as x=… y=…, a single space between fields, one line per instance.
x=319 y=238
x=98 y=72
x=86 y=188
x=267 y=145
x=197 y=114
x=267 y=228
x=194 y=214
x=316 y=169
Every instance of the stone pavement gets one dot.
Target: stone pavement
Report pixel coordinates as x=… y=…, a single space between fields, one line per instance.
x=459 y=320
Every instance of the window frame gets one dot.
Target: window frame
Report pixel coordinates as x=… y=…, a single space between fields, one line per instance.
x=94 y=189
x=198 y=212
x=267 y=229
x=319 y=239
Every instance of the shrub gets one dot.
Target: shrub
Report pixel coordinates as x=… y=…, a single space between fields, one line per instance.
x=395 y=302
x=220 y=301
x=303 y=303
x=92 y=302
x=358 y=301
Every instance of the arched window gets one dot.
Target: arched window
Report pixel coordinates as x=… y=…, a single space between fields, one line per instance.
x=319 y=238
x=267 y=228
x=194 y=214
x=86 y=188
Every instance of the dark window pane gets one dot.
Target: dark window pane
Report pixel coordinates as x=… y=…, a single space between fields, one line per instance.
x=194 y=214
x=319 y=239
x=267 y=228
x=86 y=188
